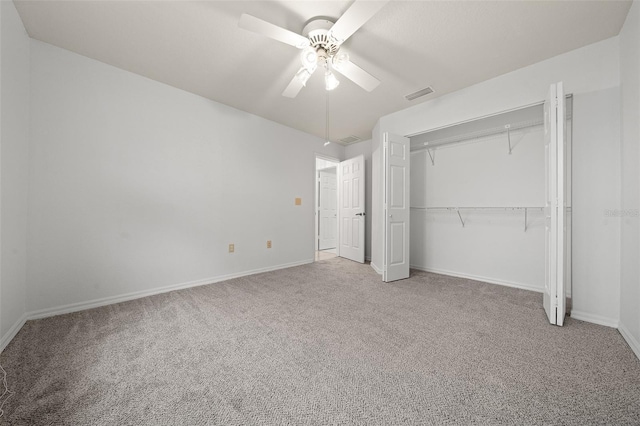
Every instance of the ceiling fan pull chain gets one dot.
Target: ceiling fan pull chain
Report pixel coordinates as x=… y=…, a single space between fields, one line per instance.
x=326 y=121
x=327 y=118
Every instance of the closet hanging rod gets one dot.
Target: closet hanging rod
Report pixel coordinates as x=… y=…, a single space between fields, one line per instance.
x=504 y=208
x=478 y=208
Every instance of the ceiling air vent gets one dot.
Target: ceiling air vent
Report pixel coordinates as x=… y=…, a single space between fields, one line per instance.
x=349 y=139
x=414 y=95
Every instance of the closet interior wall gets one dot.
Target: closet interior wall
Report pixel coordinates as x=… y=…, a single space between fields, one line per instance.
x=477 y=198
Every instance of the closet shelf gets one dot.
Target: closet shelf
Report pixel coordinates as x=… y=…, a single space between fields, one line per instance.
x=479 y=134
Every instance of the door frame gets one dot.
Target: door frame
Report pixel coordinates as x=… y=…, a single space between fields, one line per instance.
x=316 y=216
x=330 y=173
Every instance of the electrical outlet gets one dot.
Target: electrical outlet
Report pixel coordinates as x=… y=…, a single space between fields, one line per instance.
x=232 y=248
x=268 y=243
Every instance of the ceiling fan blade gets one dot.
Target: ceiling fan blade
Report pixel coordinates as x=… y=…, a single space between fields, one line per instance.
x=293 y=88
x=355 y=17
x=357 y=75
x=257 y=25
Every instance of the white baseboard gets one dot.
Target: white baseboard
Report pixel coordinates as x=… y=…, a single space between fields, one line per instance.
x=582 y=316
x=633 y=343
x=81 y=306
x=595 y=319
x=9 y=335
x=479 y=278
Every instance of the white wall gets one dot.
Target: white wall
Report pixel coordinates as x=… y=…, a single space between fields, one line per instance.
x=492 y=246
x=592 y=74
x=596 y=190
x=353 y=150
x=14 y=166
x=137 y=186
x=630 y=232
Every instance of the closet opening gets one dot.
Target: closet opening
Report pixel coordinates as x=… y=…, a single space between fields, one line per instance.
x=326 y=213
x=478 y=197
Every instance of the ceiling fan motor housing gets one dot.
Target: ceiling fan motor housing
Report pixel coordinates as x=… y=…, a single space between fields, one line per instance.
x=320 y=44
x=317 y=31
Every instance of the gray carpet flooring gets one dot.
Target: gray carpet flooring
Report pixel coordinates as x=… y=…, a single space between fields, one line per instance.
x=325 y=343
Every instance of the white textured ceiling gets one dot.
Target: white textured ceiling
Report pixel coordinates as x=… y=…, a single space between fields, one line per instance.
x=408 y=45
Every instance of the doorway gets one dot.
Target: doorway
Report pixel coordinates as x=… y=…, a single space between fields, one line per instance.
x=326 y=213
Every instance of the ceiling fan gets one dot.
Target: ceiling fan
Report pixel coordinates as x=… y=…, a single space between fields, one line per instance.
x=320 y=43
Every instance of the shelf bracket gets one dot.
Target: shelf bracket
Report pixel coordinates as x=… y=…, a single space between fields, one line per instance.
x=433 y=163
x=525 y=219
x=508 y=127
x=461 y=221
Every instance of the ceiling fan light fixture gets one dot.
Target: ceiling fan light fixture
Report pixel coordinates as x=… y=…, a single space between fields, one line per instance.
x=330 y=80
x=339 y=60
x=304 y=74
x=309 y=58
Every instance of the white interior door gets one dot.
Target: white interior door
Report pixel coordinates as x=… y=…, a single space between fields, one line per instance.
x=351 y=211
x=328 y=209
x=396 y=202
x=555 y=202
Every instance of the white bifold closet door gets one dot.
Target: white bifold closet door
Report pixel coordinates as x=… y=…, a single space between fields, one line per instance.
x=351 y=211
x=396 y=207
x=556 y=259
